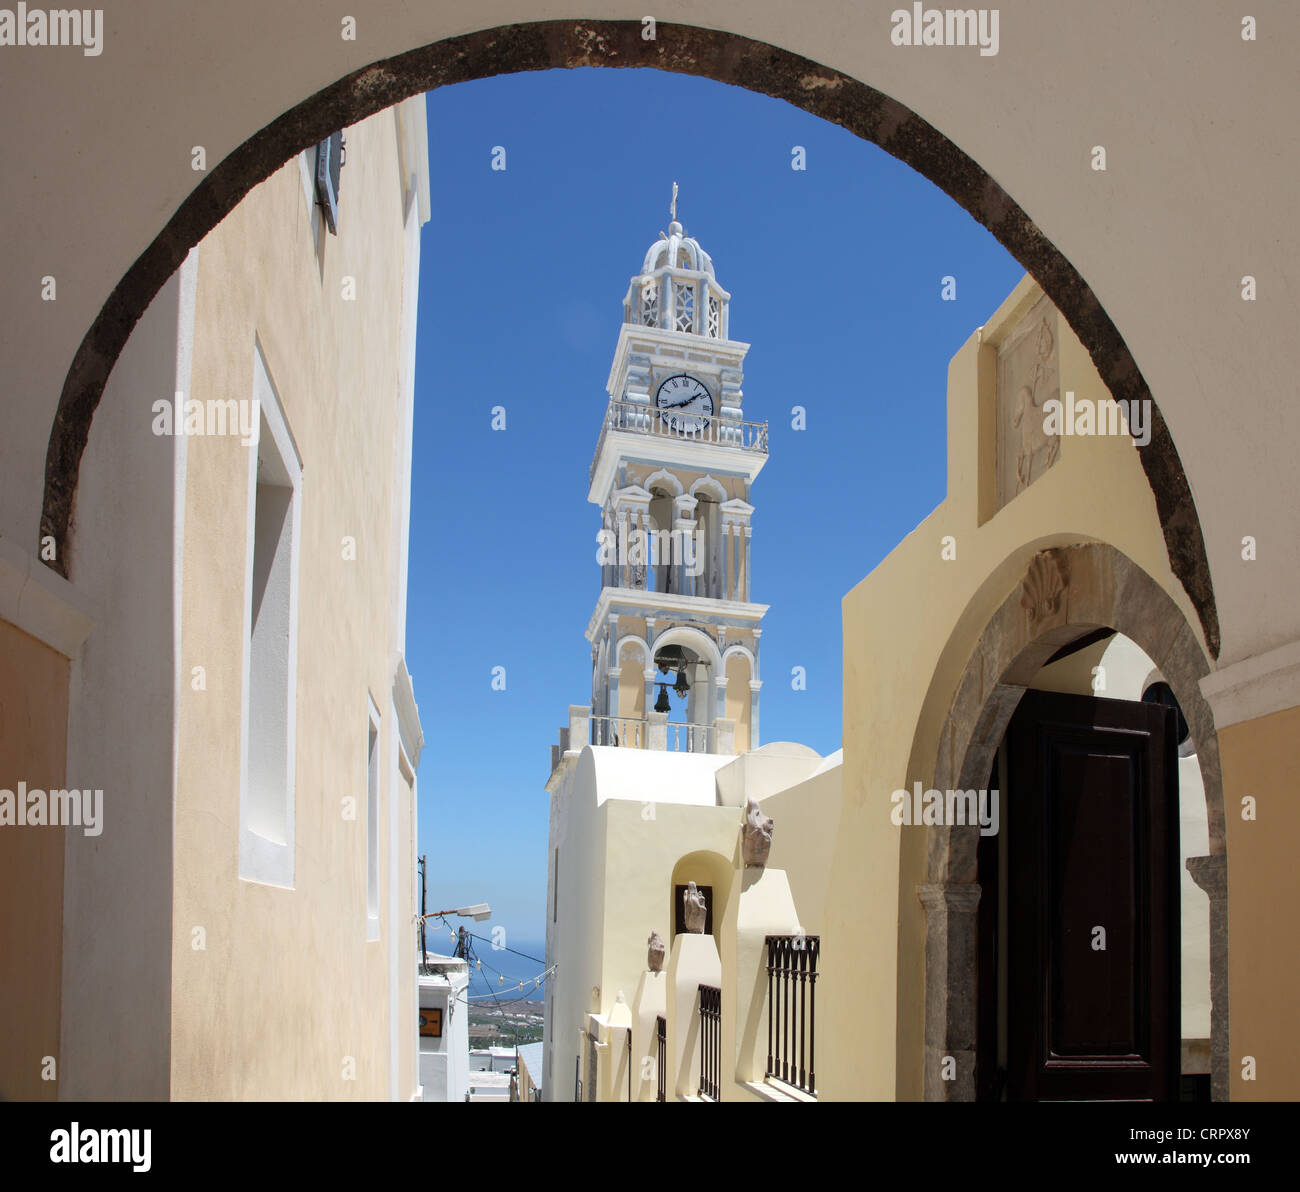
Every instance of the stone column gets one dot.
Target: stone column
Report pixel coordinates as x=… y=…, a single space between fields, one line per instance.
x=622 y=550
x=950 y=993
x=720 y=708
x=1211 y=874
x=579 y=726
x=728 y=569
x=744 y=564
x=612 y=675
x=657 y=730
x=754 y=687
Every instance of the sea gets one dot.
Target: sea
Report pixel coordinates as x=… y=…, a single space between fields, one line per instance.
x=501 y=972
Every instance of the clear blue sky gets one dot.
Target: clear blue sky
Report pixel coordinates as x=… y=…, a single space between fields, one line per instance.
x=835 y=275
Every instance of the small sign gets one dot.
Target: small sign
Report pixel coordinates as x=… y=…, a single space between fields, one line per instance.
x=431 y=1021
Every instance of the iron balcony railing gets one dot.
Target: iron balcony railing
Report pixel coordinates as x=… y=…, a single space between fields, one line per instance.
x=710 y=1040
x=792 y=1010
x=661 y=1058
x=639 y=418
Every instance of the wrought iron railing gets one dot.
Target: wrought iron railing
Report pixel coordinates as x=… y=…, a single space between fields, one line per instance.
x=639 y=418
x=710 y=1040
x=661 y=1058
x=792 y=1010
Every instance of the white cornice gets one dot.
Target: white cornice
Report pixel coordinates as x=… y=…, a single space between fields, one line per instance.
x=408 y=714
x=41 y=602
x=636 y=602
x=631 y=447
x=1254 y=687
x=730 y=353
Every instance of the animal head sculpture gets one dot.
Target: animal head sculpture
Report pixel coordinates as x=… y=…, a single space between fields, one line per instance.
x=655 y=953
x=757 y=837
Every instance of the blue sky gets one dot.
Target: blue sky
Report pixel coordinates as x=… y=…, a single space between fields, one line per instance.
x=835 y=275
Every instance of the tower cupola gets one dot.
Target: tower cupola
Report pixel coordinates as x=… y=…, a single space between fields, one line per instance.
x=677 y=289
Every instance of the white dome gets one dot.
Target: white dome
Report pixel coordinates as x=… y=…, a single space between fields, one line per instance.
x=677 y=250
x=677 y=289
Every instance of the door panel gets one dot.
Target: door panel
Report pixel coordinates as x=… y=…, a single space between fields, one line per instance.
x=1093 y=1009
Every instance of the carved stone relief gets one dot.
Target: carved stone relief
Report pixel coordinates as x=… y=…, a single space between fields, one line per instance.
x=1027 y=378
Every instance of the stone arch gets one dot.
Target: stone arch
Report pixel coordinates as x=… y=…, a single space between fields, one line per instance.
x=684 y=49
x=705 y=867
x=1062 y=594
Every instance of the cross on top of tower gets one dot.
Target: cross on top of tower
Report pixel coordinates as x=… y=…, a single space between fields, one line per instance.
x=672 y=207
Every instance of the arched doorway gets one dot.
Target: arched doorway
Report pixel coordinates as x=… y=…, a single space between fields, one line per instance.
x=1063 y=595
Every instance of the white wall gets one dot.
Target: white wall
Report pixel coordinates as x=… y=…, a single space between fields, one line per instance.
x=444 y=1063
x=117 y=923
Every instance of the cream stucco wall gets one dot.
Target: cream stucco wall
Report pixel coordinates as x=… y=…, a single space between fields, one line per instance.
x=1264 y=965
x=630 y=826
x=289 y=998
x=898 y=687
x=33 y=726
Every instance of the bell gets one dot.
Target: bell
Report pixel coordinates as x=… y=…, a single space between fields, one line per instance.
x=681 y=686
x=661 y=704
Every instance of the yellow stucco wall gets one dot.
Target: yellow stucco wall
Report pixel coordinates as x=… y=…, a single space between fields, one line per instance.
x=288 y=987
x=898 y=686
x=1263 y=890
x=33 y=749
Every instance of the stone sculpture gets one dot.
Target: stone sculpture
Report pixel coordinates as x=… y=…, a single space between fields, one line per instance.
x=655 y=953
x=757 y=837
x=694 y=909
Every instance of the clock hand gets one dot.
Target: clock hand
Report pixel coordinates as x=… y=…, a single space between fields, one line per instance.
x=677 y=405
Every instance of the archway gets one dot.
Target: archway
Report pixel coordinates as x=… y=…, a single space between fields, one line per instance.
x=724 y=57
x=1063 y=594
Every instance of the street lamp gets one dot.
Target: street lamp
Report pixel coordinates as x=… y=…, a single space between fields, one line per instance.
x=478 y=912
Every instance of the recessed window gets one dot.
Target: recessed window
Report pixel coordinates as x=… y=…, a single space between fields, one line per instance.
x=270 y=644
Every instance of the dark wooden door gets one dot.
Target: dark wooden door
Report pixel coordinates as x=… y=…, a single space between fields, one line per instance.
x=1092 y=912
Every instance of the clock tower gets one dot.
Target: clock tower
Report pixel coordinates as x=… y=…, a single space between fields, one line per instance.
x=674 y=634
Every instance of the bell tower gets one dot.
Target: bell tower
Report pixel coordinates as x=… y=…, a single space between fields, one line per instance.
x=674 y=635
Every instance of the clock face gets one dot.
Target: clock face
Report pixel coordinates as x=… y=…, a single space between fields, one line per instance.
x=685 y=404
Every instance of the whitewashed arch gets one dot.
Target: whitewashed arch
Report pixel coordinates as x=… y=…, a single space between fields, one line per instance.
x=670 y=480
x=694 y=639
x=711 y=486
x=744 y=652
x=643 y=649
